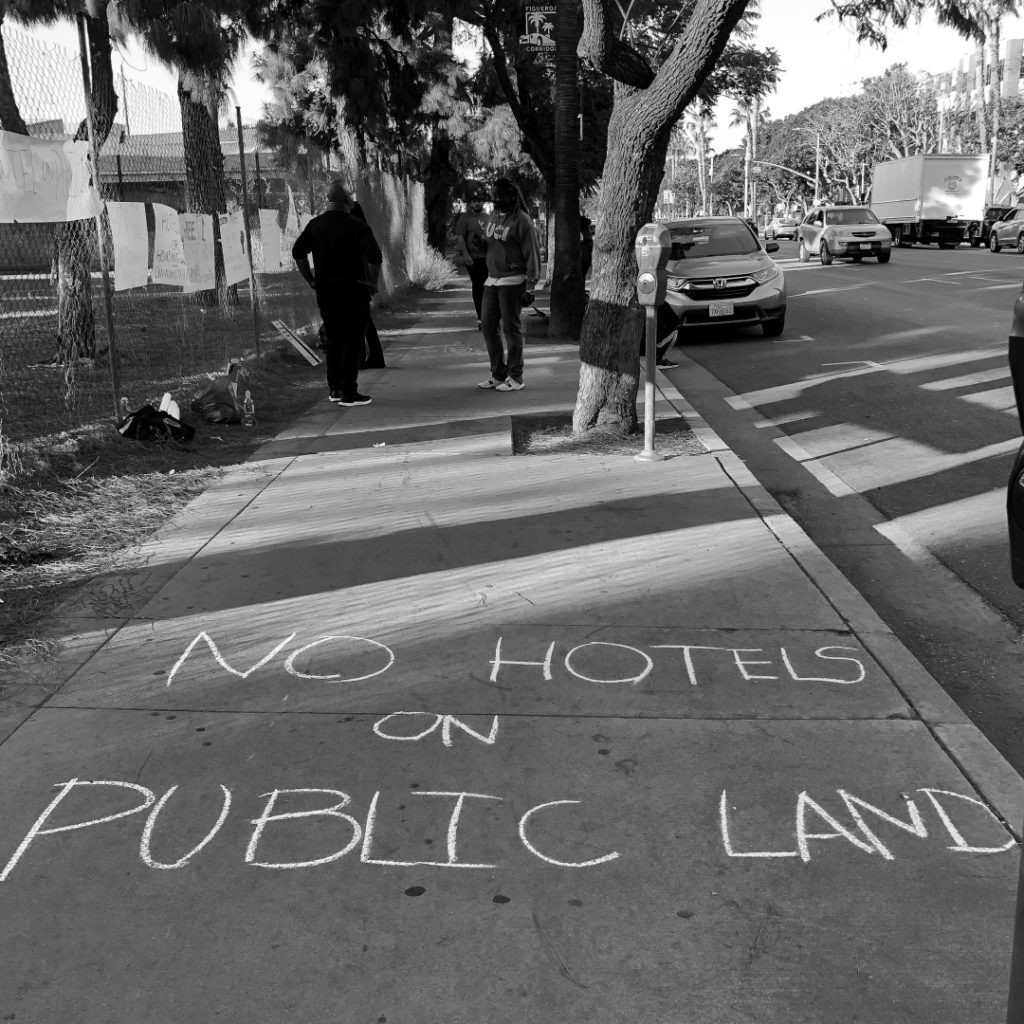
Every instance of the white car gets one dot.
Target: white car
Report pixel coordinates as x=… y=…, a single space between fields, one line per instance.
x=852 y=232
x=719 y=273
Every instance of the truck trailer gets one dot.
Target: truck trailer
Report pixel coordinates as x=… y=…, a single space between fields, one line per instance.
x=930 y=197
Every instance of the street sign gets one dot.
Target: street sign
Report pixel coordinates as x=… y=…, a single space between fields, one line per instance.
x=540 y=29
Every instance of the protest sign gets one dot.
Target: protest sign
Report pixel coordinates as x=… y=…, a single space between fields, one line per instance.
x=131 y=245
x=197 y=244
x=168 y=255
x=45 y=181
x=232 y=244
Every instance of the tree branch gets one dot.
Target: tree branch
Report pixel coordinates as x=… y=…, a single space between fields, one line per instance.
x=604 y=52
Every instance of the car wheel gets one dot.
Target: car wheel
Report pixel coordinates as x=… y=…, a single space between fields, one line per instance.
x=1020 y=244
x=825 y=253
x=993 y=242
x=802 y=254
x=773 y=328
x=884 y=257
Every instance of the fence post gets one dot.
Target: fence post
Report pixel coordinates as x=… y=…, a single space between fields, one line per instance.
x=115 y=364
x=248 y=235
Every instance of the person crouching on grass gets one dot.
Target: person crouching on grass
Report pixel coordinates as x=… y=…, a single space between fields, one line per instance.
x=513 y=267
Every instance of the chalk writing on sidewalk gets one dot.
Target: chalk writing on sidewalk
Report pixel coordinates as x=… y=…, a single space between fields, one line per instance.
x=357 y=832
x=809 y=815
x=831 y=664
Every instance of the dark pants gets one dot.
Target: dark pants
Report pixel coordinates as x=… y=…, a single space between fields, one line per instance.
x=504 y=303
x=373 y=354
x=477 y=276
x=346 y=316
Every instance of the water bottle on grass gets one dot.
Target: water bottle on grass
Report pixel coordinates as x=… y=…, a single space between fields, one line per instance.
x=248 y=411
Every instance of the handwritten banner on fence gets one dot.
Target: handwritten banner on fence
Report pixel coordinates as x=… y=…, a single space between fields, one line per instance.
x=197 y=244
x=45 y=180
x=232 y=243
x=131 y=245
x=270 y=235
x=168 y=254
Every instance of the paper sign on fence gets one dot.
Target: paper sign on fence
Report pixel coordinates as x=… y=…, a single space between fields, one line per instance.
x=197 y=243
x=232 y=244
x=270 y=235
x=131 y=245
x=168 y=253
x=45 y=180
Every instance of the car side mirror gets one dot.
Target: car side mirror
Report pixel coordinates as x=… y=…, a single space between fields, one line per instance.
x=771 y=246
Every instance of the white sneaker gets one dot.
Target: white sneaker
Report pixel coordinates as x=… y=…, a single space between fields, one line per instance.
x=510 y=385
x=490 y=384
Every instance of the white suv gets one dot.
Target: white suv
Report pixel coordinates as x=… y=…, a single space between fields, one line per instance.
x=849 y=231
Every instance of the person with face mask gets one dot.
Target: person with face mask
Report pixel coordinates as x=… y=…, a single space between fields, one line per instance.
x=469 y=238
x=513 y=267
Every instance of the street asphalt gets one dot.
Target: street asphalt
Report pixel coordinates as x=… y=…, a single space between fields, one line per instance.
x=394 y=725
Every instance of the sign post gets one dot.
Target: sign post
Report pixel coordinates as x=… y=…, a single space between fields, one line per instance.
x=653 y=247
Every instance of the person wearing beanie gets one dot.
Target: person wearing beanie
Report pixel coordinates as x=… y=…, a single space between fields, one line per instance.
x=347 y=263
x=513 y=267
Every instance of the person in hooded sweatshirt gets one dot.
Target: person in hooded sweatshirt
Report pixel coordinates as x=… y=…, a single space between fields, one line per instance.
x=513 y=268
x=347 y=261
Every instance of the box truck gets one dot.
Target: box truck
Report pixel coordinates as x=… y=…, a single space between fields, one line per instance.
x=930 y=197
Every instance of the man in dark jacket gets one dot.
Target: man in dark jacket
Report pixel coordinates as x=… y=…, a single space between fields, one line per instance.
x=347 y=262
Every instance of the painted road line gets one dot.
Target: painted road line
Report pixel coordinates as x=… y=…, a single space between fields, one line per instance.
x=827 y=291
x=936 y=280
x=1000 y=399
x=783 y=341
x=980 y=377
x=779 y=421
x=995 y=287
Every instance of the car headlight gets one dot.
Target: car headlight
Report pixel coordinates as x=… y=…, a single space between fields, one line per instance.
x=763 y=276
x=677 y=284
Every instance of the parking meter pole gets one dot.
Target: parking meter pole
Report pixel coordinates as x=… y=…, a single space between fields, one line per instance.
x=650 y=359
x=653 y=248
x=1015 y=1004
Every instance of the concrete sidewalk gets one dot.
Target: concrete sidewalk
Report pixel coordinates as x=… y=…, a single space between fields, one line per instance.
x=403 y=728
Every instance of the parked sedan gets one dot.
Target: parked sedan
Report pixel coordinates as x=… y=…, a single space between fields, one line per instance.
x=782 y=227
x=1009 y=231
x=718 y=273
x=978 y=232
x=846 y=231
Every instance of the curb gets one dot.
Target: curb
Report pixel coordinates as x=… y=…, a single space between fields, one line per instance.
x=982 y=765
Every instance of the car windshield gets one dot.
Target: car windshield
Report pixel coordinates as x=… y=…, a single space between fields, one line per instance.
x=995 y=212
x=710 y=238
x=858 y=216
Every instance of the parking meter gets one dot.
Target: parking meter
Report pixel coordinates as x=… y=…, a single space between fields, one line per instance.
x=653 y=248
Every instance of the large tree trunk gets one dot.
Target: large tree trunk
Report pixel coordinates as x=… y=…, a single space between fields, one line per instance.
x=204 y=176
x=614 y=323
x=567 y=298
x=643 y=113
x=74 y=241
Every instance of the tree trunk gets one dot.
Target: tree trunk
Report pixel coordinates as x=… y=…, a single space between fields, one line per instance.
x=204 y=178
x=440 y=180
x=10 y=116
x=75 y=252
x=997 y=86
x=613 y=324
x=567 y=298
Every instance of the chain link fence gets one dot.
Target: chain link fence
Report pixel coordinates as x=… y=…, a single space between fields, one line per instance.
x=178 y=311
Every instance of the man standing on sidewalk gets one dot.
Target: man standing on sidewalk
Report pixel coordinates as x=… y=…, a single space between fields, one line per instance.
x=347 y=261
x=513 y=267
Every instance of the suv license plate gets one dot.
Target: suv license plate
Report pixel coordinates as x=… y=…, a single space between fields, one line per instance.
x=720 y=309
x=865 y=245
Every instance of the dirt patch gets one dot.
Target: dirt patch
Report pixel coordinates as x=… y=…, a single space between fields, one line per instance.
x=551 y=434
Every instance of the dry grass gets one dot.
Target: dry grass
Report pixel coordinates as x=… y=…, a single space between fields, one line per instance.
x=552 y=435
x=81 y=502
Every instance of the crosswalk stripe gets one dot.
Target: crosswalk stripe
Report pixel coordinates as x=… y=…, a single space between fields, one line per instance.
x=980 y=377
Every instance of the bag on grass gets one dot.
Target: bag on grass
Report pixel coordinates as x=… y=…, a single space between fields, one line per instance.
x=218 y=401
x=149 y=424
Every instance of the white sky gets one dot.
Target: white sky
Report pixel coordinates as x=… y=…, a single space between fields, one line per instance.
x=824 y=59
